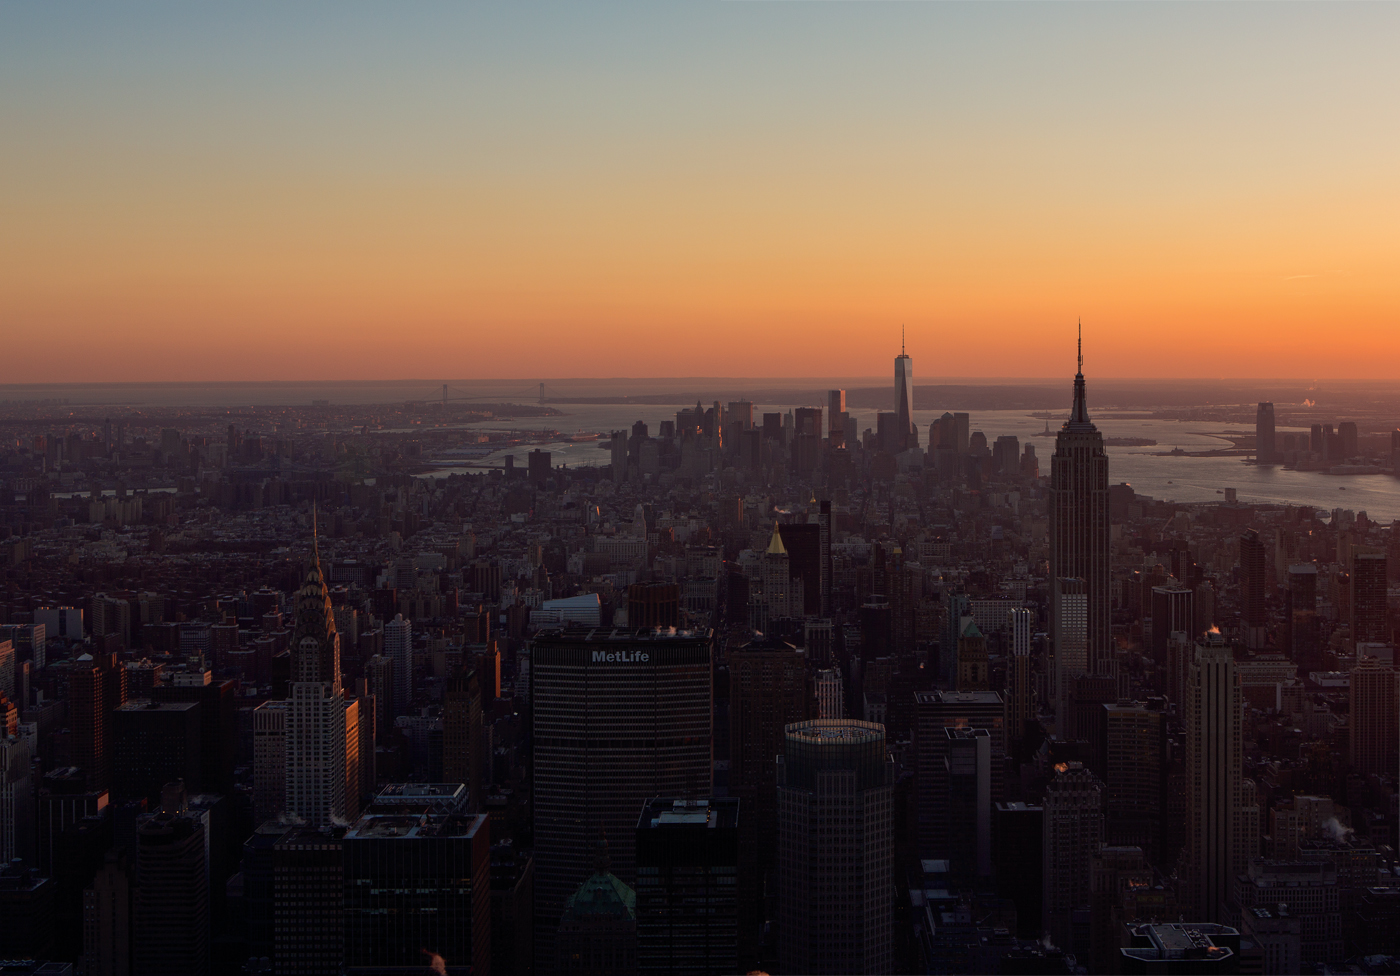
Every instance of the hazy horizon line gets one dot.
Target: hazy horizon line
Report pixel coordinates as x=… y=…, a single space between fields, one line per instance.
x=819 y=380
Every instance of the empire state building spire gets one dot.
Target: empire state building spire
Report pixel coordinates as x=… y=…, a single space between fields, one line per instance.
x=1079 y=414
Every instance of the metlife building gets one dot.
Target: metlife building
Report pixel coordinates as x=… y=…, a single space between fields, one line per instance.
x=620 y=717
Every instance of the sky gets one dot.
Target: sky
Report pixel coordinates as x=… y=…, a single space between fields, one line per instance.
x=348 y=191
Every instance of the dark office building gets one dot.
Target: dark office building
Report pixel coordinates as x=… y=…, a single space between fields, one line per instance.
x=806 y=453
x=257 y=867
x=80 y=853
x=803 y=543
x=968 y=774
x=688 y=884
x=1134 y=741
x=887 y=433
x=1173 y=610
x=464 y=753
x=1017 y=844
x=106 y=942
x=938 y=711
x=537 y=467
x=1252 y=563
x=1346 y=440
x=96 y=686
x=1088 y=694
x=652 y=605
x=1304 y=628
x=26 y=912
x=619 y=718
x=1302 y=586
x=773 y=426
x=835 y=849
x=1368 y=606
x=836 y=418
x=417 y=878
x=170 y=934
x=64 y=799
x=751 y=449
x=157 y=743
x=218 y=717
x=308 y=897
x=767 y=693
x=512 y=910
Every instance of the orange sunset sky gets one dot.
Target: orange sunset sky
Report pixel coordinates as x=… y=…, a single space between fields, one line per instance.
x=537 y=191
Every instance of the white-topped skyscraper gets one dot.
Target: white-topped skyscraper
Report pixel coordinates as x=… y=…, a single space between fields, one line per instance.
x=316 y=747
x=1079 y=536
x=904 y=398
x=835 y=848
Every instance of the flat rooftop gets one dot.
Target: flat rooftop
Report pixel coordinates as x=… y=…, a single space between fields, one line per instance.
x=667 y=813
x=957 y=698
x=146 y=705
x=413 y=826
x=597 y=635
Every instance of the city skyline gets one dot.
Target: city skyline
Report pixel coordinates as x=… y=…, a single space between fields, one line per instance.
x=688 y=636
x=737 y=661
x=245 y=195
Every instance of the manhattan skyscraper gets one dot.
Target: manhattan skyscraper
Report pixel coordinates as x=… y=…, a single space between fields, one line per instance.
x=1222 y=829
x=1079 y=537
x=316 y=756
x=904 y=398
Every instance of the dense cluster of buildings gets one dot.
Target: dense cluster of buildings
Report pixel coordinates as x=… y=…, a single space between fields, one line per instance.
x=762 y=691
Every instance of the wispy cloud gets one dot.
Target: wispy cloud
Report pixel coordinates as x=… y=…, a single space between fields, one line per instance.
x=1337 y=272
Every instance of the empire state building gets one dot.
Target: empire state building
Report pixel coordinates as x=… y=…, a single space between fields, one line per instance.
x=1079 y=548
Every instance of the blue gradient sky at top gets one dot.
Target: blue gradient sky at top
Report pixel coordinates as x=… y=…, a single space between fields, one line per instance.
x=568 y=177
